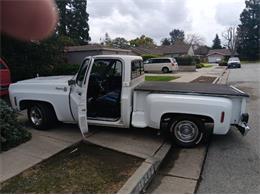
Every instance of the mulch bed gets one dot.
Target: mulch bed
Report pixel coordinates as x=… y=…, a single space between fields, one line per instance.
x=204 y=79
x=83 y=168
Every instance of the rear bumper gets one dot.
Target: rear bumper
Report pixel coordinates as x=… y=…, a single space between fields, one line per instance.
x=243 y=126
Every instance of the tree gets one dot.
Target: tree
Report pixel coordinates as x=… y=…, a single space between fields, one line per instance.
x=63 y=17
x=248 y=31
x=195 y=40
x=216 y=43
x=120 y=42
x=78 y=27
x=176 y=35
x=73 y=20
x=142 y=41
x=230 y=35
x=166 y=41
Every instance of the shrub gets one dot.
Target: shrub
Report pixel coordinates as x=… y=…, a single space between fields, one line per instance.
x=185 y=60
x=65 y=69
x=222 y=63
x=149 y=56
x=197 y=60
x=199 y=66
x=12 y=133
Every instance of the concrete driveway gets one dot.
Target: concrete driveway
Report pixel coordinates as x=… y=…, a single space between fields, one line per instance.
x=233 y=161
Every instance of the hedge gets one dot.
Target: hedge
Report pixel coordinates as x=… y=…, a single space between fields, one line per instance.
x=12 y=133
x=185 y=60
x=149 y=56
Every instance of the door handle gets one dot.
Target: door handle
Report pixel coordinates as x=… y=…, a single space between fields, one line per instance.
x=79 y=93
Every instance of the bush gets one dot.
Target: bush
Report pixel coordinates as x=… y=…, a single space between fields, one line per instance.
x=185 y=60
x=197 y=60
x=199 y=66
x=149 y=56
x=12 y=133
x=65 y=69
x=222 y=63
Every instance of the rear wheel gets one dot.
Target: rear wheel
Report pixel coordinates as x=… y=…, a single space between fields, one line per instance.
x=165 y=70
x=41 y=116
x=187 y=132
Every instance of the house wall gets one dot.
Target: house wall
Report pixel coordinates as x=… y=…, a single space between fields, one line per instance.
x=215 y=58
x=78 y=57
x=191 y=52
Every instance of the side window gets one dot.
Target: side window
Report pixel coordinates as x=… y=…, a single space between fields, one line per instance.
x=155 y=61
x=82 y=72
x=165 y=61
x=137 y=67
x=2 y=67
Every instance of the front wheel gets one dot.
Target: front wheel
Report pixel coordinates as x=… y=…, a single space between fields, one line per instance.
x=41 y=116
x=187 y=132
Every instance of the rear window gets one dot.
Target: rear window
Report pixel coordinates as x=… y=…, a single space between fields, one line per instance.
x=137 y=69
x=160 y=61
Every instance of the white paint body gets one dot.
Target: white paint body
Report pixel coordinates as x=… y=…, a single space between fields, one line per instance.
x=138 y=108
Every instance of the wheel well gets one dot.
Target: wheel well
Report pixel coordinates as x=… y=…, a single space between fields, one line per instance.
x=165 y=67
x=24 y=104
x=166 y=118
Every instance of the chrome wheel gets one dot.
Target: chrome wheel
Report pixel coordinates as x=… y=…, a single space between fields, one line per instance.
x=186 y=131
x=36 y=116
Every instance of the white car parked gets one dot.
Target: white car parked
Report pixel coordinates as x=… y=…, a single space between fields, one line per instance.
x=160 y=64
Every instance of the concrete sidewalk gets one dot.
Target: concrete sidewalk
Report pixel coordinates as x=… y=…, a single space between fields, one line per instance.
x=214 y=71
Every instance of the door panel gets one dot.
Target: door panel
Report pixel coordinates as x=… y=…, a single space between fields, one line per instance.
x=76 y=90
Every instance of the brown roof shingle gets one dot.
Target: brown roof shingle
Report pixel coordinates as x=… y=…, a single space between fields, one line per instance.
x=177 y=48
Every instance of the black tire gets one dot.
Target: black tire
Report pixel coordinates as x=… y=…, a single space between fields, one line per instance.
x=193 y=124
x=165 y=70
x=42 y=112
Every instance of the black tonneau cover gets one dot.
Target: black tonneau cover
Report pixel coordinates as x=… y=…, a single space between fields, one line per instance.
x=190 y=88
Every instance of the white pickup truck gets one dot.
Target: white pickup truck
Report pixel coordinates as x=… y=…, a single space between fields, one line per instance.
x=111 y=91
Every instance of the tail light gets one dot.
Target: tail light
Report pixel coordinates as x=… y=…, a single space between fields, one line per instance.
x=222 y=117
x=173 y=64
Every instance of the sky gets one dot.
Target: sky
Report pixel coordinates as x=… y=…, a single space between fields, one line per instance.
x=156 y=18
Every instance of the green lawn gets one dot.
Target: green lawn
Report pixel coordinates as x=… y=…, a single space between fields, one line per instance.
x=160 y=78
x=205 y=65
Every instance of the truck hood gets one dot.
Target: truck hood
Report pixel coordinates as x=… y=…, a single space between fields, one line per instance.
x=48 y=80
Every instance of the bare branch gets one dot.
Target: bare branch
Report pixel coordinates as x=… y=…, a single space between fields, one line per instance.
x=230 y=36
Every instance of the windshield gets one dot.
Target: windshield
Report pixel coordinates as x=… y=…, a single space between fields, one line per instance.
x=233 y=59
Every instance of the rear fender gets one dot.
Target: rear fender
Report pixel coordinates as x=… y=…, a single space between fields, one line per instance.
x=157 y=105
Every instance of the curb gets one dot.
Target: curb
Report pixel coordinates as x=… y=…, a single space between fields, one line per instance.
x=144 y=174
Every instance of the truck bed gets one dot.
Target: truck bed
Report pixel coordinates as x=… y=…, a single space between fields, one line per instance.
x=190 y=88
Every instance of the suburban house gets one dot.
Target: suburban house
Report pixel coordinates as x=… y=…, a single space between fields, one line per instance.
x=75 y=54
x=178 y=49
x=216 y=55
x=202 y=51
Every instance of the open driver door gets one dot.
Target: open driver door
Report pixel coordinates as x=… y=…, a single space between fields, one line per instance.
x=82 y=107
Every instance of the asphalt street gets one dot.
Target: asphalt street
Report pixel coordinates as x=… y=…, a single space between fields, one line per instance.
x=233 y=162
